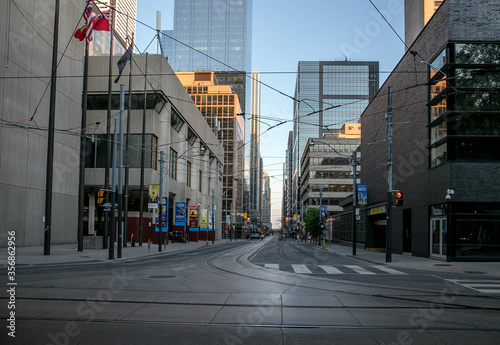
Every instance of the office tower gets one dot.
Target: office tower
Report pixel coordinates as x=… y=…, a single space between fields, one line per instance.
x=221 y=108
x=328 y=94
x=417 y=14
x=266 y=198
x=124 y=27
x=213 y=35
x=255 y=166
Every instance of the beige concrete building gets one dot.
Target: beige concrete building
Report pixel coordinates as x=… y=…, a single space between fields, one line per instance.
x=221 y=108
x=193 y=167
x=417 y=14
x=26 y=35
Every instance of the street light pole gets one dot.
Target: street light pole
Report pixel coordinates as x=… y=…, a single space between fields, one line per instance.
x=354 y=203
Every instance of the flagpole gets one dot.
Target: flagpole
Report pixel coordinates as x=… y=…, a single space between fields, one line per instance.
x=50 y=139
x=108 y=120
x=83 y=142
x=129 y=114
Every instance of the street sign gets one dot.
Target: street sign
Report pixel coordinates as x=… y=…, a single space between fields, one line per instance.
x=152 y=205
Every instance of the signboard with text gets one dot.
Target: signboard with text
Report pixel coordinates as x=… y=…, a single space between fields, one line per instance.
x=193 y=217
x=180 y=213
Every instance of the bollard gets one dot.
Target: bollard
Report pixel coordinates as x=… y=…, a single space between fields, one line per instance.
x=149 y=245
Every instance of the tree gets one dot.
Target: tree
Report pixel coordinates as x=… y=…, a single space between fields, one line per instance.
x=311 y=220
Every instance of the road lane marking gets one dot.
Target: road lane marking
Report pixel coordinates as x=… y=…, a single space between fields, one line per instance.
x=330 y=269
x=483 y=286
x=358 y=269
x=388 y=270
x=272 y=266
x=301 y=269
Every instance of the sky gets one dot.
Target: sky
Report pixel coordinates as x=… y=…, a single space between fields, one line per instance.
x=285 y=32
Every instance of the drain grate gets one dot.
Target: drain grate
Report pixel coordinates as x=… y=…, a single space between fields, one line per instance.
x=442 y=265
x=161 y=277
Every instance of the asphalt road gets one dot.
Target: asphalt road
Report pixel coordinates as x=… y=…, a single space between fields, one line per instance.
x=246 y=292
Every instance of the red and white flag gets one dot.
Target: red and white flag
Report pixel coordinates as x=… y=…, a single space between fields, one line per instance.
x=99 y=22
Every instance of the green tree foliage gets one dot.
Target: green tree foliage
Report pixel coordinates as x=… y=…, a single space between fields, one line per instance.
x=311 y=219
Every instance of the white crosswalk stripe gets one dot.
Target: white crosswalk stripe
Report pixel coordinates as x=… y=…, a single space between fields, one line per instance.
x=301 y=269
x=330 y=269
x=483 y=286
x=359 y=270
x=388 y=270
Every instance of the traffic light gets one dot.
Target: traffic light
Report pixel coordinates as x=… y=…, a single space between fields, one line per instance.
x=101 y=195
x=398 y=199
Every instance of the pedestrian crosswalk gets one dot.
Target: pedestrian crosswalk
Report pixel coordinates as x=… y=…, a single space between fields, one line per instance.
x=483 y=286
x=329 y=269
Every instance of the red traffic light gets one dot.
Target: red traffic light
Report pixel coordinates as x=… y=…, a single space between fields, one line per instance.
x=399 y=199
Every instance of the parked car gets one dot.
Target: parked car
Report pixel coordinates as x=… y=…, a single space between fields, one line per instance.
x=254 y=236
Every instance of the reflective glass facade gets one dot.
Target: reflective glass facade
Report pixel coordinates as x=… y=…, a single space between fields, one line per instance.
x=220 y=29
x=329 y=94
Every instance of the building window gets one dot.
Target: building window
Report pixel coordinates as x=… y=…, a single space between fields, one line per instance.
x=464 y=107
x=191 y=137
x=176 y=121
x=96 y=151
x=173 y=164
x=188 y=174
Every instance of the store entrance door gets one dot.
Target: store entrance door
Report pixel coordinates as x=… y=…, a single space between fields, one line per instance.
x=438 y=237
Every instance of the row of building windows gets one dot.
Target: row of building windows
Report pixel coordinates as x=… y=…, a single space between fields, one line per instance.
x=338 y=188
x=213 y=99
x=464 y=109
x=97 y=147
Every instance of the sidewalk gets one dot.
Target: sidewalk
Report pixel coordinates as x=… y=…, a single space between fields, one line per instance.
x=68 y=253
x=406 y=260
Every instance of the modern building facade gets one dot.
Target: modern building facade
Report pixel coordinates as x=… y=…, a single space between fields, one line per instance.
x=24 y=111
x=328 y=94
x=212 y=35
x=266 y=199
x=255 y=166
x=327 y=171
x=445 y=157
x=193 y=157
x=220 y=107
x=417 y=14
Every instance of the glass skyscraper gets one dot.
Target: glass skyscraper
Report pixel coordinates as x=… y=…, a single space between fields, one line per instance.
x=221 y=29
x=329 y=94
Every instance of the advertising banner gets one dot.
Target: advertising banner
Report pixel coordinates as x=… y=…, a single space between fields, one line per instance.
x=204 y=219
x=193 y=217
x=362 y=194
x=180 y=213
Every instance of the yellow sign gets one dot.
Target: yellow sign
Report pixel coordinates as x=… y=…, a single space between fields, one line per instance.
x=294 y=217
x=377 y=210
x=245 y=215
x=153 y=193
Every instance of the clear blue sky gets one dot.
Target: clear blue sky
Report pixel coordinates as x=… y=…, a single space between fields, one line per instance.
x=287 y=31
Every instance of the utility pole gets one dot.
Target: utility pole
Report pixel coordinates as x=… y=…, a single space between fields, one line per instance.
x=354 y=203
x=120 y=167
x=111 y=217
x=388 y=211
x=50 y=138
x=160 y=205
x=127 y=143
x=320 y=215
x=143 y=146
x=213 y=216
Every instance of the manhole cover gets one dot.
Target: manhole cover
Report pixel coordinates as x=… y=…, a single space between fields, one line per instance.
x=161 y=277
x=442 y=265
x=474 y=272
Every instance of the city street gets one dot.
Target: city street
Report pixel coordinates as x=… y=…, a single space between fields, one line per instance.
x=252 y=292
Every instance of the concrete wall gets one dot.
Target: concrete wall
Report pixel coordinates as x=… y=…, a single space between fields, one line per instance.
x=26 y=29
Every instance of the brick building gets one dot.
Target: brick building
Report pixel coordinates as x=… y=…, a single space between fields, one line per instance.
x=446 y=114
